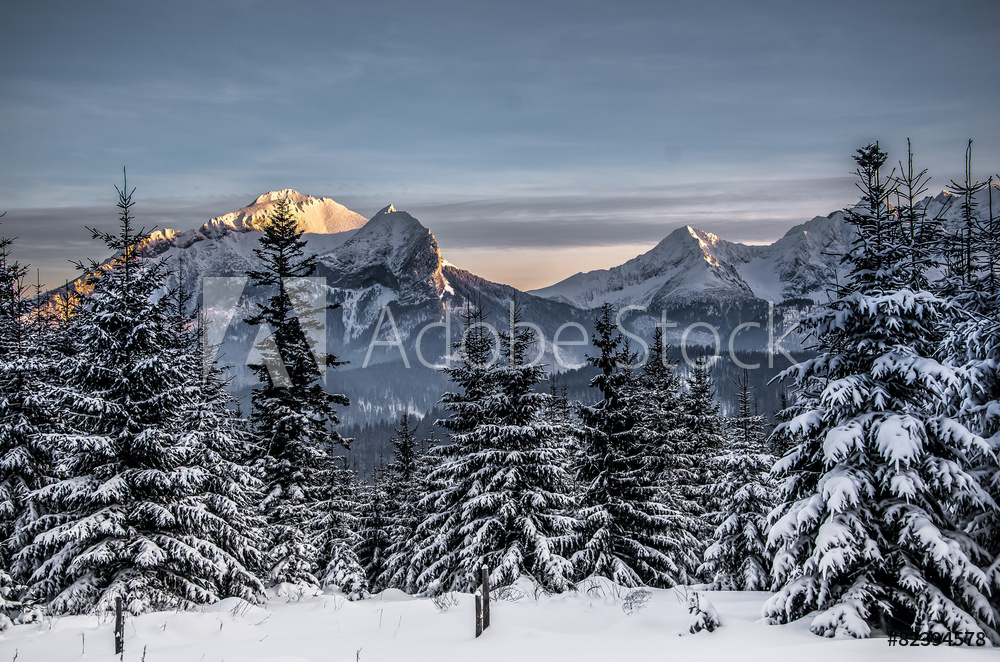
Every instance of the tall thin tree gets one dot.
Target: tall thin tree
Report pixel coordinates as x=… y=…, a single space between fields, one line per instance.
x=292 y=412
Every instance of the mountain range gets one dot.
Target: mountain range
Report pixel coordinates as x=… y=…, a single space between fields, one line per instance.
x=389 y=276
x=691 y=266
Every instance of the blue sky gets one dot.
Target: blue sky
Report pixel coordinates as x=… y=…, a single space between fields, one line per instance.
x=586 y=129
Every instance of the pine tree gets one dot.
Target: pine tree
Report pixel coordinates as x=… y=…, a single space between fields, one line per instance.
x=530 y=513
x=559 y=413
x=435 y=560
x=873 y=257
x=917 y=235
x=974 y=398
x=375 y=530
x=221 y=445
x=505 y=479
x=706 y=439
x=661 y=407
x=408 y=482
x=624 y=530
x=335 y=526
x=292 y=413
x=868 y=528
x=669 y=455
x=405 y=460
x=973 y=345
x=965 y=245
x=134 y=515
x=737 y=559
x=25 y=413
x=13 y=303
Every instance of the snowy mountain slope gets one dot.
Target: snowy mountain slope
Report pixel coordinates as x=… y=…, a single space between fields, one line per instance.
x=224 y=245
x=315 y=215
x=393 y=249
x=688 y=264
x=395 y=261
x=387 y=274
x=691 y=266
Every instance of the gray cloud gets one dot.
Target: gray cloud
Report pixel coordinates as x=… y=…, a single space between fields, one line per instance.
x=747 y=211
x=497 y=124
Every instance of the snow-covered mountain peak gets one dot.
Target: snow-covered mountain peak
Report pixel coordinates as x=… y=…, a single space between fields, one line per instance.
x=702 y=236
x=685 y=236
x=320 y=216
x=684 y=264
x=391 y=228
x=689 y=240
x=707 y=242
x=395 y=243
x=694 y=266
x=274 y=196
x=315 y=215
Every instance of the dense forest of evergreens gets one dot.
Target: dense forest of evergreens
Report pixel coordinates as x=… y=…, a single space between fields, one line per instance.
x=127 y=471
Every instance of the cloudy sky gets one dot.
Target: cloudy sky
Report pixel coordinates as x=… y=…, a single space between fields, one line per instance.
x=535 y=139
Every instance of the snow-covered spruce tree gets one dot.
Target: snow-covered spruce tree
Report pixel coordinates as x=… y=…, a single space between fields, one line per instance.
x=919 y=235
x=375 y=527
x=435 y=563
x=404 y=463
x=559 y=413
x=868 y=529
x=220 y=444
x=973 y=345
x=661 y=406
x=669 y=454
x=407 y=483
x=706 y=439
x=396 y=495
x=971 y=280
x=134 y=514
x=24 y=415
x=965 y=248
x=624 y=532
x=505 y=494
x=292 y=413
x=525 y=504
x=737 y=559
x=13 y=303
x=335 y=536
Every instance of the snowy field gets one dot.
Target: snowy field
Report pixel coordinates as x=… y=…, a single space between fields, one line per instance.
x=395 y=627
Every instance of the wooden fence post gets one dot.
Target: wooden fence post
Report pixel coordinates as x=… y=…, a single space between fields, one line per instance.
x=486 y=597
x=479 y=615
x=119 y=627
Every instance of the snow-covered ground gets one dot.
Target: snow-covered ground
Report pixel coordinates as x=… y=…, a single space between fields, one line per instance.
x=396 y=627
